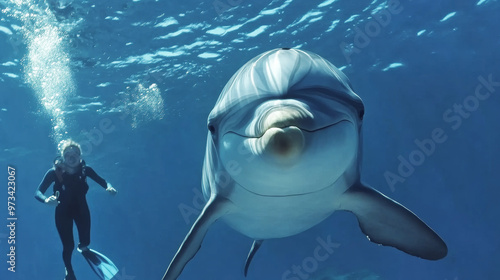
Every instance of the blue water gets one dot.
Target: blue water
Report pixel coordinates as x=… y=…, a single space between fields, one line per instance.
x=134 y=81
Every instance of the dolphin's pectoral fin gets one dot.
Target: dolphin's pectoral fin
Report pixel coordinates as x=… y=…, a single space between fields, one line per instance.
x=255 y=246
x=214 y=209
x=387 y=222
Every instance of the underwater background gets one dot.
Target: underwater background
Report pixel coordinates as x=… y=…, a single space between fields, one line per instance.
x=134 y=82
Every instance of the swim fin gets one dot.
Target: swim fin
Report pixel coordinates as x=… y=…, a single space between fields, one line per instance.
x=102 y=265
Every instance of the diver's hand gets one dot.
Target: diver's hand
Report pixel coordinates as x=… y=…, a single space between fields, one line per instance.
x=53 y=199
x=111 y=190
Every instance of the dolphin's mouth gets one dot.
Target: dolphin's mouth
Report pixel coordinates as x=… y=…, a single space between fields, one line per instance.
x=289 y=114
x=310 y=130
x=291 y=123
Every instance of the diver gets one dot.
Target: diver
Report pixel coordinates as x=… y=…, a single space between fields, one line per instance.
x=69 y=176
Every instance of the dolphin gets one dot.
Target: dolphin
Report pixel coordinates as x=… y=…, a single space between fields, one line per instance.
x=284 y=152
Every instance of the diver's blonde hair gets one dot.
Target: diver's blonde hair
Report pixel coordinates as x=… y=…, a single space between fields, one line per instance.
x=64 y=144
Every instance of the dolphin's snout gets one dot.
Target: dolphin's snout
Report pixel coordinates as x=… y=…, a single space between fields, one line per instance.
x=282 y=139
x=285 y=116
x=283 y=144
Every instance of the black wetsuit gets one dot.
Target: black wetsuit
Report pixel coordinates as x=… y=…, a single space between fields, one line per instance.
x=72 y=206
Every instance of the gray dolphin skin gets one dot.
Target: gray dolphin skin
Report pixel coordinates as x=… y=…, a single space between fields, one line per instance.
x=284 y=152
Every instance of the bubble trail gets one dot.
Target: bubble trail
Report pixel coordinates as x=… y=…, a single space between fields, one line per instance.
x=147 y=105
x=47 y=63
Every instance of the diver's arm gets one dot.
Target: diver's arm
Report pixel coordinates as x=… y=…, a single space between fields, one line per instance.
x=47 y=180
x=93 y=175
x=98 y=179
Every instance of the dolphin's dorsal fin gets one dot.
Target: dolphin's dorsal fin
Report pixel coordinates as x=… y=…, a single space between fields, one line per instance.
x=214 y=209
x=255 y=246
x=387 y=222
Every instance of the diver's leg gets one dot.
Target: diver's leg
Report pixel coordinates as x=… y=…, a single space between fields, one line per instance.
x=64 y=224
x=82 y=221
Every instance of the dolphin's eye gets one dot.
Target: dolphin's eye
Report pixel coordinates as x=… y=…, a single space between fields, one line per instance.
x=361 y=114
x=211 y=128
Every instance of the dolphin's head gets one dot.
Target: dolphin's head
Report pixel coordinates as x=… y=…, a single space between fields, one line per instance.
x=287 y=123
